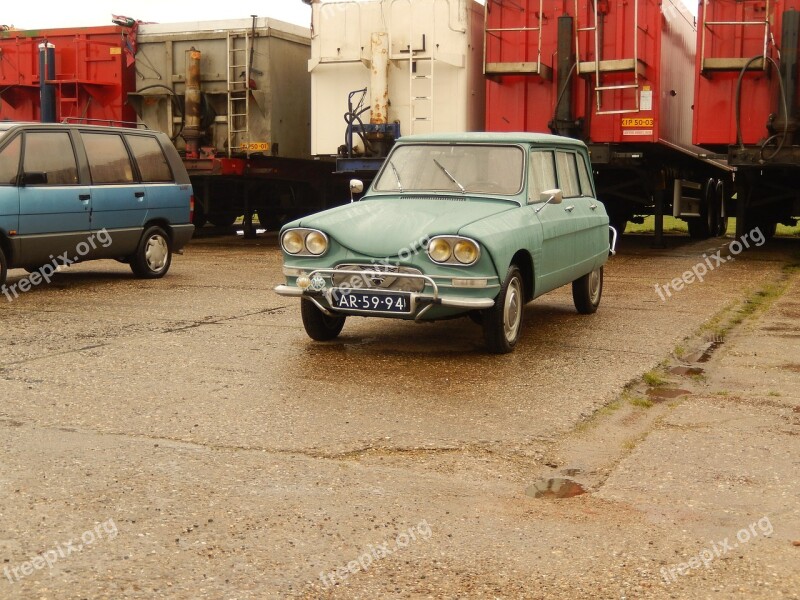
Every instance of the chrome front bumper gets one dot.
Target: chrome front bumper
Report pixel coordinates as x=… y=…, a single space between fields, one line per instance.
x=420 y=302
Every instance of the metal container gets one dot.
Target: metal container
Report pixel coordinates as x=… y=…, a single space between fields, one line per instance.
x=93 y=73
x=606 y=72
x=251 y=95
x=394 y=67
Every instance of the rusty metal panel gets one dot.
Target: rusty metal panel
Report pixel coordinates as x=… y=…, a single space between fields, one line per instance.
x=93 y=74
x=278 y=86
x=434 y=81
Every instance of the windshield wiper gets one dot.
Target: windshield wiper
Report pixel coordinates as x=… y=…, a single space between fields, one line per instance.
x=397 y=177
x=453 y=179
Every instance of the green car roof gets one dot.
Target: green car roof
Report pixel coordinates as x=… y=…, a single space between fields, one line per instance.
x=482 y=137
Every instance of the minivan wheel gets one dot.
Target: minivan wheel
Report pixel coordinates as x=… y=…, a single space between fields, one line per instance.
x=503 y=322
x=3 y=267
x=154 y=254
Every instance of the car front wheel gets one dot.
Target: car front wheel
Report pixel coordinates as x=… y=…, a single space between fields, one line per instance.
x=503 y=322
x=320 y=326
x=587 y=290
x=153 y=256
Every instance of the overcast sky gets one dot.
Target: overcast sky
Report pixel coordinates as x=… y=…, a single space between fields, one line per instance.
x=33 y=14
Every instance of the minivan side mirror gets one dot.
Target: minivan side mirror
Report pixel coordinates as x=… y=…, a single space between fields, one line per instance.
x=554 y=196
x=356 y=187
x=33 y=178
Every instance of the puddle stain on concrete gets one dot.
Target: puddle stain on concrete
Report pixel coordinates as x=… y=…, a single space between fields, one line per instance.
x=660 y=394
x=554 y=488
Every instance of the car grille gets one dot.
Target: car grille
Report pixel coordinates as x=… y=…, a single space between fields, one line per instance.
x=384 y=281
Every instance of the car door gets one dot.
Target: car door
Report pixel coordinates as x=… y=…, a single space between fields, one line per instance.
x=592 y=242
x=558 y=227
x=54 y=204
x=119 y=202
x=10 y=154
x=164 y=198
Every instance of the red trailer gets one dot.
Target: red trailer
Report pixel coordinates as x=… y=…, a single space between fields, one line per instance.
x=92 y=73
x=746 y=95
x=618 y=75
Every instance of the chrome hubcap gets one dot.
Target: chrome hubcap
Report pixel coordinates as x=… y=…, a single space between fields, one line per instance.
x=156 y=253
x=594 y=286
x=512 y=309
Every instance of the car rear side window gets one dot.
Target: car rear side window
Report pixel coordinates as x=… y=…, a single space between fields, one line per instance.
x=108 y=159
x=9 y=162
x=586 y=181
x=542 y=175
x=568 y=174
x=153 y=165
x=51 y=153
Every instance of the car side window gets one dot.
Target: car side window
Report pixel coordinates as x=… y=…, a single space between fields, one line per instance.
x=153 y=165
x=568 y=174
x=583 y=172
x=9 y=162
x=51 y=153
x=108 y=159
x=542 y=174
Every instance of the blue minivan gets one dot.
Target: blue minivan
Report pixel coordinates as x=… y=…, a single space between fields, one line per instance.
x=71 y=193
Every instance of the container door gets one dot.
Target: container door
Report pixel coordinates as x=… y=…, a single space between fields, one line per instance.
x=119 y=205
x=53 y=206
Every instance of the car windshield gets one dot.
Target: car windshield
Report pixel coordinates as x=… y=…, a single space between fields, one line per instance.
x=459 y=168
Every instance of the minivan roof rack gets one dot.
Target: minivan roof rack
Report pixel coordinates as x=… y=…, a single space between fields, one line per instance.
x=108 y=122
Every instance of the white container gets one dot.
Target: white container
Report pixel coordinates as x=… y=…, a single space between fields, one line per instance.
x=435 y=73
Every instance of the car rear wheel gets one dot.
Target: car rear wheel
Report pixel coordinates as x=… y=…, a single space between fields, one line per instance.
x=587 y=291
x=503 y=322
x=318 y=325
x=153 y=256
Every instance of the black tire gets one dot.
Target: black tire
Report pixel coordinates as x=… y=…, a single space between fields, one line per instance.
x=199 y=218
x=587 y=291
x=154 y=254
x=318 y=325
x=698 y=228
x=3 y=267
x=502 y=323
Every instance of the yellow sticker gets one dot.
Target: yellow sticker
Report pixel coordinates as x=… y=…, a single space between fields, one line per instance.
x=255 y=147
x=641 y=122
x=115 y=50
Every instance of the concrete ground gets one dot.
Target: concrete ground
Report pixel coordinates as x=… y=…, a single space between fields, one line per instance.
x=183 y=438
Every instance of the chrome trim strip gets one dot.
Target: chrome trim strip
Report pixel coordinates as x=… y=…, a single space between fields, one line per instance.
x=288 y=290
x=613 y=250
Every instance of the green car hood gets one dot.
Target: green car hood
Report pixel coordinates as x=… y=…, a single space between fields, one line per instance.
x=383 y=227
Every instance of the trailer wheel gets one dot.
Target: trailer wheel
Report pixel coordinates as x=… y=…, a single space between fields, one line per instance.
x=587 y=291
x=318 y=325
x=153 y=256
x=223 y=219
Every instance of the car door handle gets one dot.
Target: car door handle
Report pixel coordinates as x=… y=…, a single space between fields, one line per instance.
x=84 y=197
x=593 y=206
x=569 y=208
x=139 y=194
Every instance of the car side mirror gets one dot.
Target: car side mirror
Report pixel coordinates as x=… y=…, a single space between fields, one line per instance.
x=34 y=178
x=356 y=187
x=554 y=196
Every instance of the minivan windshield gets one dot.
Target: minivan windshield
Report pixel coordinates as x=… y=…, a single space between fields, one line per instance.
x=459 y=168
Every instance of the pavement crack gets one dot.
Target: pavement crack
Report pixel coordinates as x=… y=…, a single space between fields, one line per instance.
x=221 y=320
x=51 y=355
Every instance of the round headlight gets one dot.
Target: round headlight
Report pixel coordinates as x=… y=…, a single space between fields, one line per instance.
x=316 y=243
x=466 y=252
x=439 y=250
x=292 y=242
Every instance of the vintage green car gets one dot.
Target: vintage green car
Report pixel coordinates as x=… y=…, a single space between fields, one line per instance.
x=469 y=224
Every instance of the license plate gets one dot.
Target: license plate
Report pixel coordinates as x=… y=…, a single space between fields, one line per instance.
x=372 y=302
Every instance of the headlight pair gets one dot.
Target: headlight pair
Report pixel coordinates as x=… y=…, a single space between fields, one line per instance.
x=304 y=242
x=454 y=250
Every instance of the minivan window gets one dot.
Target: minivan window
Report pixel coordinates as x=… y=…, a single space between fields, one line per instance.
x=153 y=165
x=108 y=159
x=50 y=152
x=9 y=162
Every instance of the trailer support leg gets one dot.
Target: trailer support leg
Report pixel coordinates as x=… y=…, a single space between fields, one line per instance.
x=742 y=200
x=247 y=222
x=658 y=237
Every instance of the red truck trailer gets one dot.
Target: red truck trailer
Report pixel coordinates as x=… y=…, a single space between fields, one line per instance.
x=746 y=103
x=618 y=75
